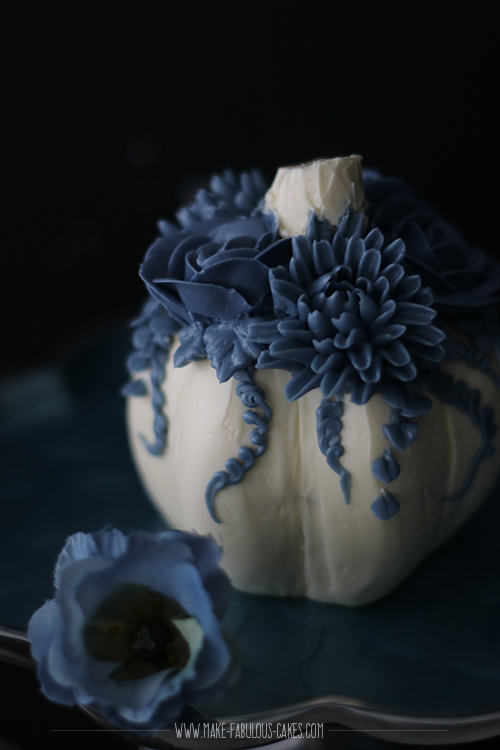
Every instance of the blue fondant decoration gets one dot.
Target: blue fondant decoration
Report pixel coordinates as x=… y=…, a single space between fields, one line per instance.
x=482 y=327
x=198 y=279
x=192 y=347
x=473 y=354
x=253 y=397
x=318 y=229
x=460 y=395
x=160 y=423
x=345 y=310
x=329 y=427
x=401 y=434
x=386 y=468
x=416 y=408
x=385 y=506
x=408 y=396
x=152 y=338
x=135 y=387
x=463 y=278
x=482 y=362
x=229 y=349
x=229 y=197
x=348 y=318
x=454 y=348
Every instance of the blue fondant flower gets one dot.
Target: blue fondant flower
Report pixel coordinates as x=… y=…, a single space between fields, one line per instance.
x=133 y=630
x=229 y=198
x=209 y=279
x=211 y=284
x=462 y=278
x=212 y=266
x=348 y=317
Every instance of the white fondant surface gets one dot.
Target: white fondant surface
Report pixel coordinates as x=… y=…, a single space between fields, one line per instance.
x=286 y=529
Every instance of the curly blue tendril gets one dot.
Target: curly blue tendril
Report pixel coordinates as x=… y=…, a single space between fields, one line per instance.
x=329 y=426
x=467 y=399
x=152 y=339
x=253 y=397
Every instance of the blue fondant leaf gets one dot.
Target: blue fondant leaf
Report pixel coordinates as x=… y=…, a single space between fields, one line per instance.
x=417 y=408
x=385 y=507
x=134 y=388
x=192 y=347
x=229 y=348
x=386 y=468
x=138 y=361
x=401 y=434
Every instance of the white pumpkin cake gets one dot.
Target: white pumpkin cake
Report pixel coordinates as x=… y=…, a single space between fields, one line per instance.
x=314 y=379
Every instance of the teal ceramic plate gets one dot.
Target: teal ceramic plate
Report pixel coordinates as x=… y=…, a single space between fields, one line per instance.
x=428 y=655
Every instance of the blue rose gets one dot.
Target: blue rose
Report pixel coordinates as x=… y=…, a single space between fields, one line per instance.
x=462 y=278
x=213 y=265
x=215 y=277
x=133 y=630
x=211 y=285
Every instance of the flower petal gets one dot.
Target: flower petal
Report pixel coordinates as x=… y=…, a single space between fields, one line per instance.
x=81 y=546
x=361 y=358
x=300 y=383
x=211 y=301
x=369 y=265
x=41 y=628
x=409 y=313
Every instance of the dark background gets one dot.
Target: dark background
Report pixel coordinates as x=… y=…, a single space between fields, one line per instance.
x=116 y=111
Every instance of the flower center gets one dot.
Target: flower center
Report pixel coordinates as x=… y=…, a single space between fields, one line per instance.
x=143 y=640
x=136 y=627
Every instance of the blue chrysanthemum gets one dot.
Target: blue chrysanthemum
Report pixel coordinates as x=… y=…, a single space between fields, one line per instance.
x=349 y=318
x=133 y=630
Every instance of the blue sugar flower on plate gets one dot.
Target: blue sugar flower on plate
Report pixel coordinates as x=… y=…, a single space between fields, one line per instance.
x=134 y=628
x=463 y=278
x=349 y=318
